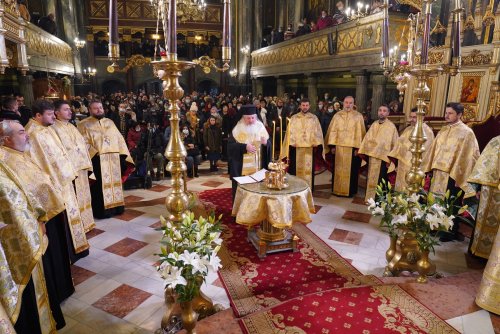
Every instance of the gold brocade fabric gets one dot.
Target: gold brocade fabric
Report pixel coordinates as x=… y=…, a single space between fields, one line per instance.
x=22 y=248
x=342 y=173
x=304 y=130
x=486 y=172
x=379 y=140
x=304 y=164
x=347 y=128
x=49 y=154
x=6 y=326
x=454 y=151
x=36 y=181
x=84 y=198
x=255 y=203
x=374 y=165
x=251 y=161
x=75 y=145
x=112 y=189
x=103 y=137
x=402 y=153
x=488 y=296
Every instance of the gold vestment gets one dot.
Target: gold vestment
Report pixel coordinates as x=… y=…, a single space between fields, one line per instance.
x=104 y=139
x=402 y=153
x=486 y=173
x=49 y=154
x=452 y=154
x=380 y=139
x=35 y=181
x=77 y=150
x=22 y=247
x=304 y=133
x=346 y=131
x=251 y=161
x=488 y=296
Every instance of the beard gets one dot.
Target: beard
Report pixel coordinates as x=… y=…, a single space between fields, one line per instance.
x=100 y=116
x=252 y=132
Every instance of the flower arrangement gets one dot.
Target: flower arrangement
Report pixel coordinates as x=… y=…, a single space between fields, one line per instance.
x=188 y=252
x=423 y=214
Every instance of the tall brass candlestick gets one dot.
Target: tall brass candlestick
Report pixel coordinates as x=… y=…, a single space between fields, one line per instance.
x=281 y=134
x=274 y=140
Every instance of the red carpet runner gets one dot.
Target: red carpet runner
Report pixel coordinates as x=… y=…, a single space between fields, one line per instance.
x=311 y=291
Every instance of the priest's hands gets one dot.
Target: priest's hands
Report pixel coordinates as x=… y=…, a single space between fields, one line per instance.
x=251 y=148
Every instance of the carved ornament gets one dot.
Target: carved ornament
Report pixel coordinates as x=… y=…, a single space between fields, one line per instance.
x=476 y=58
x=470 y=113
x=414 y=3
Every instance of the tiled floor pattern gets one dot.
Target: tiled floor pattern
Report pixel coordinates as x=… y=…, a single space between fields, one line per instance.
x=119 y=291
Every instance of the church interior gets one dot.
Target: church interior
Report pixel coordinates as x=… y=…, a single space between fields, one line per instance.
x=133 y=138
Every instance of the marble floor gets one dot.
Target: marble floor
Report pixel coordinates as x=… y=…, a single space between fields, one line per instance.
x=119 y=291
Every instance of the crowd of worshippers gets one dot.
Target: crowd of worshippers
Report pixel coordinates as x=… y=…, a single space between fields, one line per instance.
x=324 y=20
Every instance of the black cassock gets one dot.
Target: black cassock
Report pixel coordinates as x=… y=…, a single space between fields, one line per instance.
x=235 y=153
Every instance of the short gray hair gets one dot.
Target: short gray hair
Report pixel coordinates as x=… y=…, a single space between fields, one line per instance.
x=6 y=129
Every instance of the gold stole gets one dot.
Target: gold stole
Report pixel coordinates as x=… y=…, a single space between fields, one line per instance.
x=84 y=198
x=6 y=325
x=252 y=161
x=342 y=175
x=23 y=245
x=112 y=190
x=374 y=165
x=304 y=164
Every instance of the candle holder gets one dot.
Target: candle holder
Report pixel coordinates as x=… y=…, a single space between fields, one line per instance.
x=276 y=175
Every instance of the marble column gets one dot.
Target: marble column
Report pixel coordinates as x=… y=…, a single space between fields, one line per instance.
x=26 y=88
x=361 y=90
x=280 y=87
x=312 y=90
x=257 y=27
x=378 y=92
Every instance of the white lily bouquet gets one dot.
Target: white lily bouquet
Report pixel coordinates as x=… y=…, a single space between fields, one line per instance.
x=423 y=214
x=188 y=252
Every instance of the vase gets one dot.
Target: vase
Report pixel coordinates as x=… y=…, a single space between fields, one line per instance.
x=389 y=254
x=188 y=316
x=425 y=267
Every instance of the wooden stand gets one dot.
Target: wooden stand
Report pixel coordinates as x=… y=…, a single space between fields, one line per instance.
x=268 y=239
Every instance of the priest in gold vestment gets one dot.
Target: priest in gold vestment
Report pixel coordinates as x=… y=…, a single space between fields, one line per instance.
x=451 y=158
x=380 y=139
x=344 y=137
x=76 y=147
x=401 y=153
x=24 y=295
x=303 y=136
x=45 y=191
x=109 y=155
x=48 y=153
x=248 y=146
x=485 y=178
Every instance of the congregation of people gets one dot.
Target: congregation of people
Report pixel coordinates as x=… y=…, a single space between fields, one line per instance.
x=63 y=165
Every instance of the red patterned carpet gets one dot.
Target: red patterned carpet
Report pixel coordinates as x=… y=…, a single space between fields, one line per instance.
x=313 y=290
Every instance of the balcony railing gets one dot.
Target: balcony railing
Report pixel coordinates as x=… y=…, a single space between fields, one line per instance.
x=354 y=44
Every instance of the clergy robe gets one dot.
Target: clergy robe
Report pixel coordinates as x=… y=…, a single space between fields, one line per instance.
x=486 y=175
x=56 y=259
x=77 y=150
x=488 y=295
x=452 y=157
x=380 y=139
x=240 y=162
x=23 y=293
x=345 y=133
x=109 y=154
x=48 y=153
x=402 y=154
x=303 y=134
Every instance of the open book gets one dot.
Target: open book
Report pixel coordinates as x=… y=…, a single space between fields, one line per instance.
x=253 y=178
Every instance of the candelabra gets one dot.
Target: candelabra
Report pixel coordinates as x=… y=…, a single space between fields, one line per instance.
x=417 y=66
x=79 y=43
x=169 y=69
x=358 y=12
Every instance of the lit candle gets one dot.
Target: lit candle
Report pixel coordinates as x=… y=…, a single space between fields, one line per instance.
x=288 y=135
x=226 y=32
x=274 y=140
x=281 y=133
x=367 y=7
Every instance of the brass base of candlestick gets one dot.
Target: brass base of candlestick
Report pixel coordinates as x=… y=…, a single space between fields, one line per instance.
x=169 y=69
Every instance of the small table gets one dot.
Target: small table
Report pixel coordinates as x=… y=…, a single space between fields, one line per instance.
x=270 y=213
